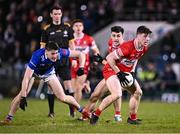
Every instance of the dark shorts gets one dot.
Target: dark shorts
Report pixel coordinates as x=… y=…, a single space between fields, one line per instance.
x=63 y=69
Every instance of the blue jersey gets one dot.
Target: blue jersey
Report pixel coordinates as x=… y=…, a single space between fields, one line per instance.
x=41 y=64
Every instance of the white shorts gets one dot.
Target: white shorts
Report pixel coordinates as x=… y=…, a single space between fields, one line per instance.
x=48 y=76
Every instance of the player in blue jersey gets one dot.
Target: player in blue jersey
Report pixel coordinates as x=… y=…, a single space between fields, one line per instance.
x=42 y=65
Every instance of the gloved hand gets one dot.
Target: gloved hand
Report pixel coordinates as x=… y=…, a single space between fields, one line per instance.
x=98 y=58
x=133 y=74
x=122 y=78
x=80 y=71
x=23 y=103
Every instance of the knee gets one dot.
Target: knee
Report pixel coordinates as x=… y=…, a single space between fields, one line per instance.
x=62 y=98
x=138 y=93
x=117 y=96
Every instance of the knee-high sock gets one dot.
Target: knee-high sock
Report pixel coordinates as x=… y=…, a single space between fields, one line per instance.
x=51 y=102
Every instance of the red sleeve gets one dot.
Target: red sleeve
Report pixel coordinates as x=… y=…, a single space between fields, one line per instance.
x=123 y=50
x=90 y=40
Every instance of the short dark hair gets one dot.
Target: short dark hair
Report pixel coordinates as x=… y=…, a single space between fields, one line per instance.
x=117 y=29
x=143 y=29
x=51 y=46
x=77 y=21
x=56 y=7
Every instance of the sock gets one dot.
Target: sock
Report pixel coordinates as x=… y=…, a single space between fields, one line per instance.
x=51 y=103
x=9 y=117
x=117 y=113
x=97 y=112
x=133 y=116
x=80 y=109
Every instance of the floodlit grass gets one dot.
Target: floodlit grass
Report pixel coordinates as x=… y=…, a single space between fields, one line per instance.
x=157 y=118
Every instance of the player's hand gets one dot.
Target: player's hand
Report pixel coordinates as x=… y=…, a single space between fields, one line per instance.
x=23 y=103
x=98 y=58
x=122 y=78
x=133 y=74
x=80 y=71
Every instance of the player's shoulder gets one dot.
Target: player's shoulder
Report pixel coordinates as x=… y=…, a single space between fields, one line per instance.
x=130 y=42
x=46 y=26
x=127 y=45
x=39 y=52
x=86 y=36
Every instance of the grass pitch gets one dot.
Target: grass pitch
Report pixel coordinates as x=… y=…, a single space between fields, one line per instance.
x=157 y=118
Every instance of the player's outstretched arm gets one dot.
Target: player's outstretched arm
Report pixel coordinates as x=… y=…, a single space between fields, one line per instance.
x=80 y=55
x=26 y=81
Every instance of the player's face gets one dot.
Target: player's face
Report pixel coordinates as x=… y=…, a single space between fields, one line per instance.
x=56 y=15
x=143 y=39
x=116 y=38
x=52 y=55
x=78 y=27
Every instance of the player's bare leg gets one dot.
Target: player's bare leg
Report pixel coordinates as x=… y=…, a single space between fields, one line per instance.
x=86 y=86
x=134 y=101
x=115 y=89
x=79 y=86
x=58 y=91
x=99 y=91
x=117 y=108
x=73 y=81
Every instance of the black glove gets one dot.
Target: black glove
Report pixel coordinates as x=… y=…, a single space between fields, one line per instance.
x=122 y=78
x=98 y=58
x=133 y=74
x=23 y=103
x=80 y=71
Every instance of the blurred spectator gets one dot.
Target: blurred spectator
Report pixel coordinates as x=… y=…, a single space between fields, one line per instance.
x=9 y=38
x=169 y=81
x=150 y=81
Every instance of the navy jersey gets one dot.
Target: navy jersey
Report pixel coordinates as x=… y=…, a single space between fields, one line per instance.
x=41 y=64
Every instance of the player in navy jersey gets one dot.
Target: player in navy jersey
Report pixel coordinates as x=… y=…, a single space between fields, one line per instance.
x=42 y=65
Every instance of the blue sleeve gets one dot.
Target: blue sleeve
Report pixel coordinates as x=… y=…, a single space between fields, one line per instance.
x=33 y=62
x=64 y=53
